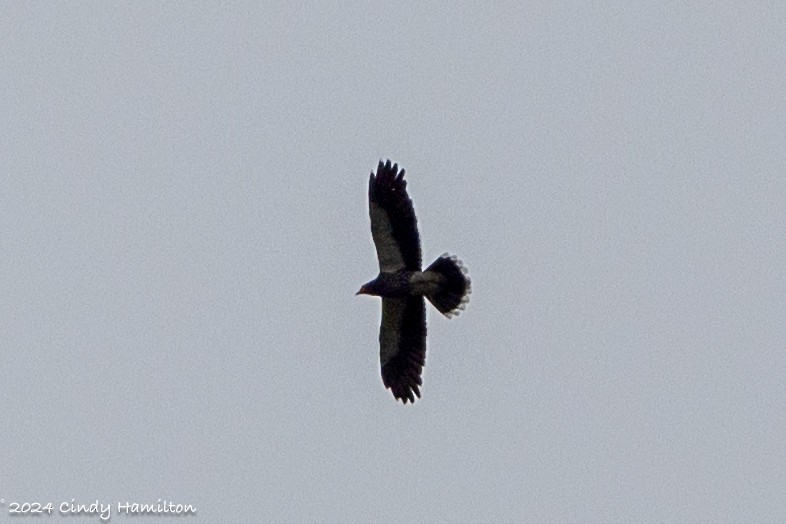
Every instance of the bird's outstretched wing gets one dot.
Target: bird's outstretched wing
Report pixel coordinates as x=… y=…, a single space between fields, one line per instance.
x=393 y=223
x=402 y=345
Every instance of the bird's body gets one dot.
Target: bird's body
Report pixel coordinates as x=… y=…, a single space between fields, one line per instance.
x=403 y=285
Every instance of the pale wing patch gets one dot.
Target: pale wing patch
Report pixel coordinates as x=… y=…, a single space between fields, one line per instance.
x=388 y=252
x=390 y=328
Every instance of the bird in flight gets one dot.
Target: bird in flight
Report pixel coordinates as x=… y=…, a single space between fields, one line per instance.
x=403 y=285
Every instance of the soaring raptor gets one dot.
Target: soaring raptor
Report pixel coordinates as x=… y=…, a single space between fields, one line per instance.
x=403 y=285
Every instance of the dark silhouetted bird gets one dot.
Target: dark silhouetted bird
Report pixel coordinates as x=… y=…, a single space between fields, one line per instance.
x=403 y=285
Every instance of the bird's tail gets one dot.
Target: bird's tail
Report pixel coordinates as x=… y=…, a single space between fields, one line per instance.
x=455 y=287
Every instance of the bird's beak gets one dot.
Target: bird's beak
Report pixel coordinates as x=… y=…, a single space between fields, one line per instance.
x=361 y=291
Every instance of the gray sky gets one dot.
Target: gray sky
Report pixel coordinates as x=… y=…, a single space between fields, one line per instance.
x=183 y=226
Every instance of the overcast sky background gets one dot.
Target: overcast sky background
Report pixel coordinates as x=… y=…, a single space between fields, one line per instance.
x=183 y=226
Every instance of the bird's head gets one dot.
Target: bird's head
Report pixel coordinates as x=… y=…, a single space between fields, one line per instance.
x=369 y=288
